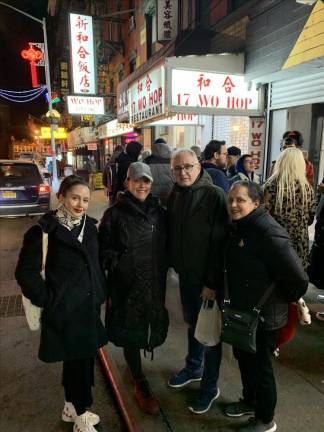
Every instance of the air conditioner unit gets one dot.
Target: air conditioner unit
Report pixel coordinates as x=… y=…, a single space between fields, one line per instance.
x=131 y=23
x=306 y=2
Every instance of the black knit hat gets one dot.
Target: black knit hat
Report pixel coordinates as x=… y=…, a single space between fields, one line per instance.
x=233 y=151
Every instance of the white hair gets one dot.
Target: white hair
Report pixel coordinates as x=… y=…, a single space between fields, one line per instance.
x=178 y=152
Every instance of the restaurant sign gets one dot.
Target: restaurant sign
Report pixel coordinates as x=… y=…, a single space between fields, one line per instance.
x=85 y=105
x=200 y=92
x=146 y=97
x=82 y=54
x=256 y=142
x=113 y=128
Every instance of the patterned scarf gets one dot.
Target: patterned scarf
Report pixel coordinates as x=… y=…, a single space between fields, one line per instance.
x=66 y=219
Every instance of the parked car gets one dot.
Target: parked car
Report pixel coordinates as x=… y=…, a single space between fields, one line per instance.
x=23 y=189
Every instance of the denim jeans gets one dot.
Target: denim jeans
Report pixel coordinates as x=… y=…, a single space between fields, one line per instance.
x=200 y=359
x=259 y=385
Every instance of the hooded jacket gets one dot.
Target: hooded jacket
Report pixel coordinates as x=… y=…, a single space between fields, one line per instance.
x=159 y=163
x=132 y=239
x=259 y=253
x=72 y=293
x=123 y=161
x=197 y=226
x=242 y=174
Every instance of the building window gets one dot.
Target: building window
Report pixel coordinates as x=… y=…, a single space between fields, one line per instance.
x=132 y=65
x=235 y=4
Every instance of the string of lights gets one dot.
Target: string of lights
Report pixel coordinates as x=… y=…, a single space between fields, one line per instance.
x=22 y=91
x=23 y=96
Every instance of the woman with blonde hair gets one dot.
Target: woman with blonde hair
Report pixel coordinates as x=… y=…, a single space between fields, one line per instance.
x=290 y=199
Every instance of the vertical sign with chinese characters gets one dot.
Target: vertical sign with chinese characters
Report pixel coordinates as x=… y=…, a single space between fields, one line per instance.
x=64 y=78
x=82 y=54
x=167 y=19
x=256 y=142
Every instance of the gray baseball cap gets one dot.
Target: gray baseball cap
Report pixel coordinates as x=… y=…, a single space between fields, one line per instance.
x=137 y=170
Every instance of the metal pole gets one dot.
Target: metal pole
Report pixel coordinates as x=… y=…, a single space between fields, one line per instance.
x=55 y=181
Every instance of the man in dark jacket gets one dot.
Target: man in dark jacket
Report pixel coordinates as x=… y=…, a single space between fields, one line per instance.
x=215 y=163
x=123 y=161
x=233 y=154
x=159 y=163
x=198 y=222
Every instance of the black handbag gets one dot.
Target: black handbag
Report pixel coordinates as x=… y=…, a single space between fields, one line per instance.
x=239 y=328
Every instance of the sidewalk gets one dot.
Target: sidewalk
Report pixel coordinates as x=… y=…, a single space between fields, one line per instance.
x=299 y=371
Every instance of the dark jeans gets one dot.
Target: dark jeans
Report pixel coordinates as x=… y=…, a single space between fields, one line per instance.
x=259 y=385
x=200 y=359
x=134 y=362
x=78 y=378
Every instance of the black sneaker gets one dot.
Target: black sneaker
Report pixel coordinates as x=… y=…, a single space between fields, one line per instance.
x=239 y=409
x=183 y=378
x=204 y=402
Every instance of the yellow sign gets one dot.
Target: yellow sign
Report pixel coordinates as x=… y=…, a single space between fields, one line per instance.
x=310 y=44
x=98 y=181
x=59 y=133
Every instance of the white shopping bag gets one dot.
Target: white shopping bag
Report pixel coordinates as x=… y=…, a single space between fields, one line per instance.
x=208 y=327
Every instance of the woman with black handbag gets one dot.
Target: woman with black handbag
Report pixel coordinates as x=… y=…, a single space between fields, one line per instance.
x=70 y=295
x=259 y=255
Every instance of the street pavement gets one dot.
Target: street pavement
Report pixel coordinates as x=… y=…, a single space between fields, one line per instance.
x=29 y=402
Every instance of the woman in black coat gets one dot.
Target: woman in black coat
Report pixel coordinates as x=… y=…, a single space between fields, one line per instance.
x=259 y=254
x=132 y=242
x=71 y=295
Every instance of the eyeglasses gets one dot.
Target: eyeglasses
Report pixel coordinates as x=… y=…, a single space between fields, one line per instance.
x=186 y=168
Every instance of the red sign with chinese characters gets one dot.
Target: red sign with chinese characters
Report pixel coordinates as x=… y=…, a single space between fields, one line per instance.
x=82 y=53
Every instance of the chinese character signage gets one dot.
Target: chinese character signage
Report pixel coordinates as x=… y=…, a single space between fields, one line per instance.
x=113 y=129
x=64 y=78
x=256 y=142
x=59 y=133
x=146 y=96
x=201 y=92
x=167 y=19
x=85 y=105
x=82 y=54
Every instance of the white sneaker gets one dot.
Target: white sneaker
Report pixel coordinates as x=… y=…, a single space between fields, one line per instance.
x=83 y=423
x=69 y=414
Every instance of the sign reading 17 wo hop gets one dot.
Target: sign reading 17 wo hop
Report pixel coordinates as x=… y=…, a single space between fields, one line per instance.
x=199 y=92
x=82 y=54
x=256 y=142
x=146 y=96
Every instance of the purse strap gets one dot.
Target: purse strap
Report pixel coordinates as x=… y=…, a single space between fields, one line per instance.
x=44 y=252
x=227 y=301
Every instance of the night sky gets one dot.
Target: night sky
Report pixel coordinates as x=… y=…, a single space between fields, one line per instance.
x=15 y=32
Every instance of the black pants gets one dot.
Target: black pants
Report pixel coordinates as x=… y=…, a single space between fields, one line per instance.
x=259 y=385
x=134 y=362
x=78 y=378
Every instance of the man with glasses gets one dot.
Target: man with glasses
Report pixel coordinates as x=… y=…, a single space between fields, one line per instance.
x=215 y=155
x=198 y=222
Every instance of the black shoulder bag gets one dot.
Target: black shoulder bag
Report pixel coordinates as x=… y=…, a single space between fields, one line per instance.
x=239 y=327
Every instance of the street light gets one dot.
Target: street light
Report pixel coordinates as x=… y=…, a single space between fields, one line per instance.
x=55 y=182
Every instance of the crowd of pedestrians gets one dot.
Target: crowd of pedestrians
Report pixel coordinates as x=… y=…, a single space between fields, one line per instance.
x=226 y=237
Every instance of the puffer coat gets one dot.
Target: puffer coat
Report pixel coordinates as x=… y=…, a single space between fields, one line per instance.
x=73 y=290
x=260 y=253
x=132 y=242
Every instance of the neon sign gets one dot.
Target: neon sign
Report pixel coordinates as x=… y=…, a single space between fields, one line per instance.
x=33 y=56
